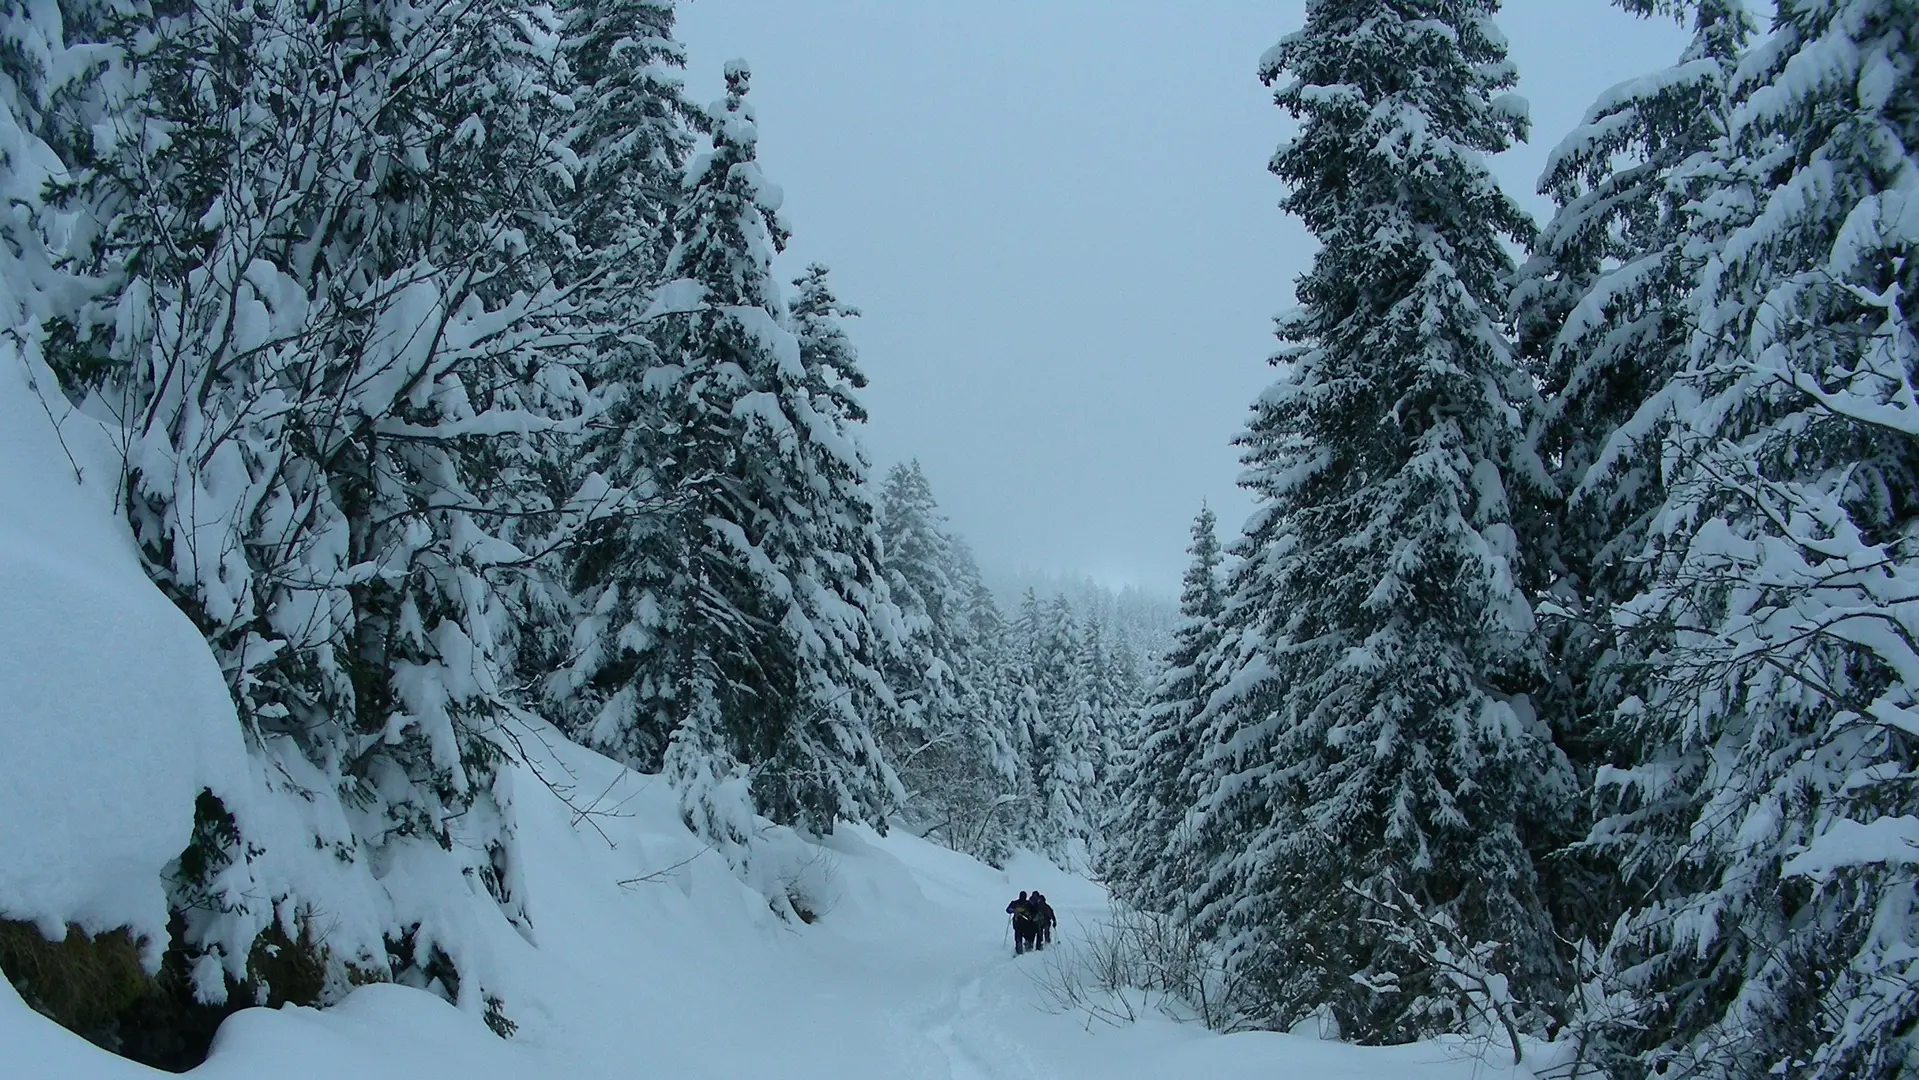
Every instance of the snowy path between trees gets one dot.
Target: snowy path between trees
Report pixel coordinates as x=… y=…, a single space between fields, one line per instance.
x=645 y=956
x=908 y=975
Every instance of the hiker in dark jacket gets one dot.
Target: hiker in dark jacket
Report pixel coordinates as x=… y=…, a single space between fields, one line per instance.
x=1025 y=915
x=1044 y=919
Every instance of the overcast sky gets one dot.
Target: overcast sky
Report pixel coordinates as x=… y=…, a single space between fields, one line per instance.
x=1056 y=220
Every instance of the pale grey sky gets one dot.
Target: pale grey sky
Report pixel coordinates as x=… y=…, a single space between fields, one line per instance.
x=1056 y=219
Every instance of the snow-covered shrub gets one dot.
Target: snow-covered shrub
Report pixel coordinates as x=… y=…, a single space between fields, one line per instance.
x=800 y=878
x=1475 y=997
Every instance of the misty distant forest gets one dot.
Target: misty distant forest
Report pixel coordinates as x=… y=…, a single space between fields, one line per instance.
x=433 y=370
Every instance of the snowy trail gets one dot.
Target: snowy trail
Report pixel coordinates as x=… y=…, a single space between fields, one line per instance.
x=946 y=983
x=963 y=1062
x=936 y=959
x=976 y=1045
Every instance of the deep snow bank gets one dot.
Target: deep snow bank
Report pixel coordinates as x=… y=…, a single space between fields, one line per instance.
x=112 y=712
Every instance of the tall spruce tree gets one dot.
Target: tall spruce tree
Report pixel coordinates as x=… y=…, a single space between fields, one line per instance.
x=753 y=595
x=841 y=613
x=1106 y=686
x=946 y=745
x=1770 y=795
x=1603 y=312
x=631 y=130
x=1147 y=865
x=1372 y=775
x=1060 y=786
x=1029 y=674
x=987 y=687
x=925 y=673
x=646 y=652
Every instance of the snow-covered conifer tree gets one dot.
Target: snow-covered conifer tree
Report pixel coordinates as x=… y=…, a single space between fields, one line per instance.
x=1769 y=797
x=924 y=675
x=1055 y=713
x=1105 y=696
x=632 y=132
x=1146 y=865
x=631 y=129
x=760 y=581
x=1372 y=774
x=1603 y=313
x=1029 y=677
x=842 y=615
x=949 y=752
x=987 y=700
x=49 y=102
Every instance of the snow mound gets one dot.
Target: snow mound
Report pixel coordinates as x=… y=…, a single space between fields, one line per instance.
x=112 y=710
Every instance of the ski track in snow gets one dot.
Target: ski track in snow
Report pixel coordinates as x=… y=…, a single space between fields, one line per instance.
x=962 y=1008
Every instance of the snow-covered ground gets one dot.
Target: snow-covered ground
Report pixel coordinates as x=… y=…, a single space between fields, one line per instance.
x=908 y=973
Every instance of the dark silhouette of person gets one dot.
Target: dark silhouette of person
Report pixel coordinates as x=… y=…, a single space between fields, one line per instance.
x=1025 y=915
x=1043 y=919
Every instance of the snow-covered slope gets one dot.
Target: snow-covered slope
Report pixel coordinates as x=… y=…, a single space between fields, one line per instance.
x=646 y=955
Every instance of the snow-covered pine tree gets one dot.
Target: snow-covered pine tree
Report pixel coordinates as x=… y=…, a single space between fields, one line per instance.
x=327 y=238
x=924 y=673
x=1120 y=692
x=1028 y=678
x=1772 y=799
x=1372 y=774
x=1146 y=866
x=760 y=583
x=635 y=673
x=1602 y=311
x=987 y=700
x=944 y=745
x=633 y=133
x=631 y=130
x=1056 y=711
x=50 y=102
x=1106 y=695
x=846 y=623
